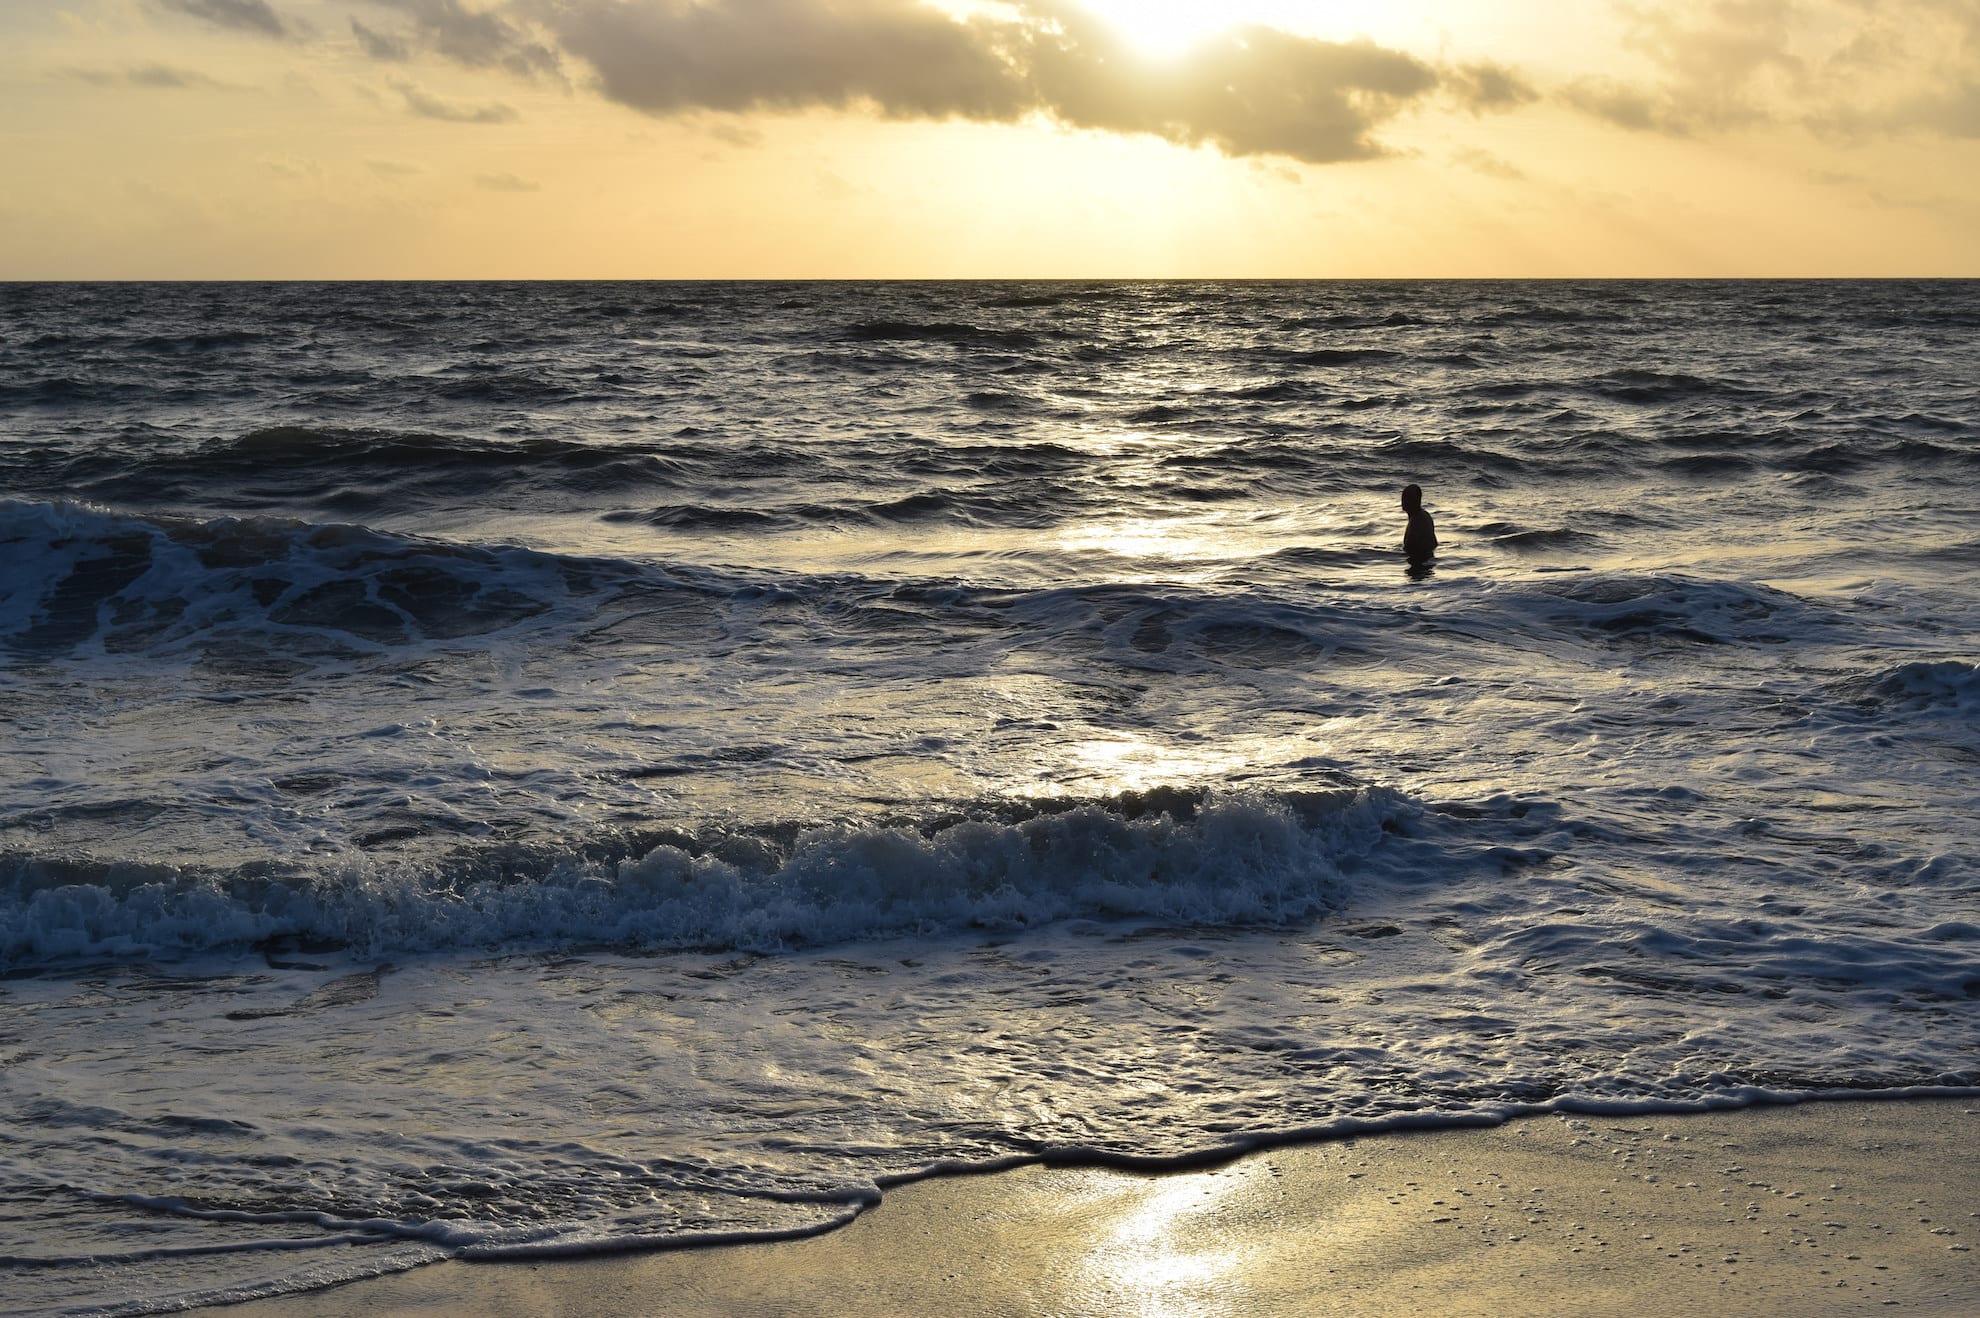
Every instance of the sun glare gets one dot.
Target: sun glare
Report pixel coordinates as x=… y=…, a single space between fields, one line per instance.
x=1167 y=28
x=1162 y=28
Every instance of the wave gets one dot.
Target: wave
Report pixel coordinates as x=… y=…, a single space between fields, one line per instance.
x=87 y=583
x=358 y=470
x=348 y=452
x=1330 y=356
x=1634 y=385
x=1541 y=540
x=199 y=341
x=1026 y=301
x=519 y=388
x=1354 y=320
x=82 y=578
x=1912 y=453
x=1948 y=685
x=1444 y=454
x=66 y=391
x=953 y=332
x=1026 y=504
x=1708 y=465
x=1278 y=391
x=369 y=475
x=993 y=400
x=1059 y=461
x=1172 y=854
x=1660 y=608
x=701 y=517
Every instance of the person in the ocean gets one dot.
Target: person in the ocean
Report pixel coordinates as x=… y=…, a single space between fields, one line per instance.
x=1420 y=540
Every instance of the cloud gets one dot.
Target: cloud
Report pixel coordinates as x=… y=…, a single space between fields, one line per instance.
x=379 y=45
x=1628 y=106
x=477 y=38
x=153 y=76
x=427 y=106
x=898 y=56
x=1484 y=162
x=1845 y=68
x=505 y=183
x=241 y=15
x=1482 y=87
x=1277 y=173
x=733 y=133
x=1724 y=43
x=1725 y=63
x=1250 y=91
x=1954 y=111
x=1841 y=68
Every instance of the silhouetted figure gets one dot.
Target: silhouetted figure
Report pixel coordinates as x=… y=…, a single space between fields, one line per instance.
x=1420 y=540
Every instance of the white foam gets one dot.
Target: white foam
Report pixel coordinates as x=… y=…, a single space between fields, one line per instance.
x=1241 y=859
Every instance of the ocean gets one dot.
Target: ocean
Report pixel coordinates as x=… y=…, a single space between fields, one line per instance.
x=493 y=770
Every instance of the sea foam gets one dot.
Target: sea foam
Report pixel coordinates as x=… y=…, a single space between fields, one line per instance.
x=1226 y=860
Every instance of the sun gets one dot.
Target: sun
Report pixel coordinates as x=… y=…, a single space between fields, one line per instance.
x=1163 y=28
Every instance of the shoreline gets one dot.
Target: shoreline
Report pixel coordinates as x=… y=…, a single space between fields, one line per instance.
x=1829 y=1206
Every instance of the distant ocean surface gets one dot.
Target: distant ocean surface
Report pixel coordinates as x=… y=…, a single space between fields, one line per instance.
x=493 y=769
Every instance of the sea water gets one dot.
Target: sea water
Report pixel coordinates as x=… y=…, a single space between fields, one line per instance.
x=493 y=769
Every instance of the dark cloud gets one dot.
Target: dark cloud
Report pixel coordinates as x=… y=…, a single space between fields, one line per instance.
x=161 y=75
x=899 y=56
x=379 y=45
x=477 y=38
x=505 y=183
x=153 y=76
x=1482 y=87
x=1251 y=91
x=241 y=15
x=428 y=106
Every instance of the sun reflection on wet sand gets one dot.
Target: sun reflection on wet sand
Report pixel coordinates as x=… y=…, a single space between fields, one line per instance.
x=1159 y=1256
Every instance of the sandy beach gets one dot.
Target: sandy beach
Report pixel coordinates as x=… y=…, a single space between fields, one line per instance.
x=1821 y=1208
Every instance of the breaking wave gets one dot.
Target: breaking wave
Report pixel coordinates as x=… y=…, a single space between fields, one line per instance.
x=1183 y=856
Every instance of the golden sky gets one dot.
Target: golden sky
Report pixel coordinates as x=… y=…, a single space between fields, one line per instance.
x=988 y=138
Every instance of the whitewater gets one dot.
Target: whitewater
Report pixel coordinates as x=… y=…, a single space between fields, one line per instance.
x=504 y=769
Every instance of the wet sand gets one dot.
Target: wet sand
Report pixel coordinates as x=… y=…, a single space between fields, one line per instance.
x=1823 y=1208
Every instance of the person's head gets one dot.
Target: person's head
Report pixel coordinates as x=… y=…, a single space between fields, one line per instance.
x=1412 y=498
